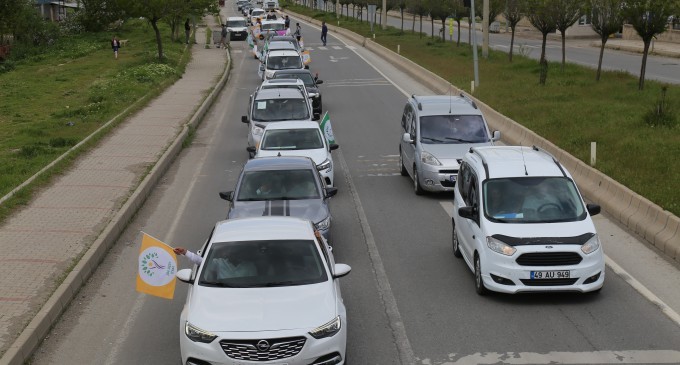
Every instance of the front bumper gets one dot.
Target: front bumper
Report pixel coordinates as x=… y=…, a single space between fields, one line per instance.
x=437 y=178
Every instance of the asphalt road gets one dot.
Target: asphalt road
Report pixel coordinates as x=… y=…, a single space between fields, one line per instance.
x=409 y=300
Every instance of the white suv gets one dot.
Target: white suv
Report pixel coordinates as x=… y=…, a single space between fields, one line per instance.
x=520 y=223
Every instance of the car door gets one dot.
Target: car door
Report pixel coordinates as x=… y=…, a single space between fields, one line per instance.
x=460 y=200
x=408 y=149
x=473 y=231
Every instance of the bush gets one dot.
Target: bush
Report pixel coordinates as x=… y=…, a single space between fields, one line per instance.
x=662 y=114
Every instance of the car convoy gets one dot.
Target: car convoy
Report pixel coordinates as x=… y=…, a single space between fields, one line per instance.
x=267 y=288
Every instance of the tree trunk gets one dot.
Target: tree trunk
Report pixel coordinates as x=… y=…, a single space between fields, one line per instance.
x=512 y=44
x=543 y=63
x=431 y=27
x=458 y=42
x=413 y=24
x=154 y=25
x=564 y=49
x=421 y=26
x=641 y=84
x=444 y=30
x=402 y=19
x=599 y=62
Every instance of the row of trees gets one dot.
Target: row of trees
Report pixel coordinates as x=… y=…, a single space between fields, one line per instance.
x=20 y=20
x=649 y=18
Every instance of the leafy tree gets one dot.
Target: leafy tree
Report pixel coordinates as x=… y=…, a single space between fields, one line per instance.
x=401 y=5
x=440 y=10
x=541 y=14
x=495 y=9
x=96 y=15
x=649 y=18
x=567 y=12
x=458 y=13
x=419 y=9
x=513 y=14
x=153 y=11
x=607 y=19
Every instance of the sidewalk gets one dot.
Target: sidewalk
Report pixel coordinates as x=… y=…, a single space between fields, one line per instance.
x=52 y=245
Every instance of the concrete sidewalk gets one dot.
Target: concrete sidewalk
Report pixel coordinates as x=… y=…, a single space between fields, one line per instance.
x=52 y=245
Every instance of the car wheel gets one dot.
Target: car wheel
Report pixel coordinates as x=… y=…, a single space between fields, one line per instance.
x=479 y=283
x=401 y=164
x=416 y=184
x=455 y=243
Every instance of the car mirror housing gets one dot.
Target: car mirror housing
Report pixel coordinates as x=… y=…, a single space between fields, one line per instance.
x=496 y=136
x=251 y=149
x=406 y=138
x=333 y=147
x=244 y=119
x=184 y=276
x=341 y=270
x=330 y=192
x=593 y=209
x=319 y=82
x=227 y=195
x=468 y=212
x=317 y=116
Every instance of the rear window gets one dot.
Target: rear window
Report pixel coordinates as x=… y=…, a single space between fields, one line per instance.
x=278 y=185
x=284 y=62
x=453 y=129
x=292 y=139
x=276 y=110
x=236 y=23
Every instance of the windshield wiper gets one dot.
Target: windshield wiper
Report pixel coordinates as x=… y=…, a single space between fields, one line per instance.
x=279 y=283
x=459 y=140
x=432 y=139
x=216 y=284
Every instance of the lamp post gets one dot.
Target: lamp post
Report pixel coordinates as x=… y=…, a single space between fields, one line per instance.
x=474 y=42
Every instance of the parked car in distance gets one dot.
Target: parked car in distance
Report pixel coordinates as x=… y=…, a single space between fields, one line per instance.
x=298 y=139
x=521 y=225
x=290 y=273
x=237 y=27
x=284 y=186
x=436 y=131
x=311 y=83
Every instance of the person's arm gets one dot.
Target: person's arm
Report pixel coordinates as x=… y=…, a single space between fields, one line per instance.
x=194 y=258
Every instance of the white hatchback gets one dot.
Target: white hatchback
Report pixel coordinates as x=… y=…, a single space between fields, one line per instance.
x=298 y=139
x=266 y=292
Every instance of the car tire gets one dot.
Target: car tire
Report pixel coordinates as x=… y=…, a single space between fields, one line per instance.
x=416 y=184
x=479 y=283
x=455 y=243
x=401 y=164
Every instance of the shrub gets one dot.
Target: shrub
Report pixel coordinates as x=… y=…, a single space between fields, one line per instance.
x=662 y=114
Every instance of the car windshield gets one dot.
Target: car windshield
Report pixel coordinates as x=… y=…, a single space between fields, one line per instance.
x=257 y=12
x=292 y=139
x=452 y=129
x=251 y=264
x=236 y=23
x=278 y=185
x=532 y=200
x=276 y=110
x=273 y=26
x=284 y=62
x=305 y=77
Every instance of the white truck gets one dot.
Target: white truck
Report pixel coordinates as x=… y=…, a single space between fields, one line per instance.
x=271 y=4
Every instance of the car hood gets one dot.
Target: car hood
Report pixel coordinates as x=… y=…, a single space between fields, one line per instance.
x=450 y=151
x=318 y=155
x=262 y=309
x=237 y=29
x=551 y=231
x=314 y=210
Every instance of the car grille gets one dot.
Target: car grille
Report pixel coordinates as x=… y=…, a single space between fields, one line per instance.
x=452 y=172
x=549 y=259
x=255 y=350
x=548 y=282
x=448 y=184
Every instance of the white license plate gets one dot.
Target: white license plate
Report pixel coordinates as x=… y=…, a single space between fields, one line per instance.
x=550 y=274
x=452 y=178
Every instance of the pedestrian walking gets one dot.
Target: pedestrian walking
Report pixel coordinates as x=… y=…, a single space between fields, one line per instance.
x=187 y=30
x=225 y=33
x=286 y=21
x=298 y=31
x=324 y=32
x=115 y=45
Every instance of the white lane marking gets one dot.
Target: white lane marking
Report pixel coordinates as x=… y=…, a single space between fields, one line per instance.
x=573 y=358
x=350 y=85
x=237 y=51
x=337 y=47
x=309 y=49
x=384 y=175
x=618 y=270
x=350 y=47
x=322 y=48
x=406 y=355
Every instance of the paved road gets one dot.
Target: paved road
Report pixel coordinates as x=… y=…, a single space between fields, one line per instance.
x=409 y=300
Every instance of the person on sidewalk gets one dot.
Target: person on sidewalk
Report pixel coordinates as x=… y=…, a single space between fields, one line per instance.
x=324 y=32
x=187 y=30
x=225 y=34
x=298 y=32
x=115 y=45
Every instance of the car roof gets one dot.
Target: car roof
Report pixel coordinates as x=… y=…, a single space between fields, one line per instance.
x=282 y=38
x=281 y=45
x=283 y=81
x=236 y=18
x=442 y=104
x=258 y=9
x=292 y=125
x=293 y=71
x=279 y=163
x=511 y=161
x=279 y=93
x=283 y=53
x=262 y=228
x=268 y=21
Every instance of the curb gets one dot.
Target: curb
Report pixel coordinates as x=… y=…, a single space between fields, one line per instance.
x=649 y=221
x=30 y=338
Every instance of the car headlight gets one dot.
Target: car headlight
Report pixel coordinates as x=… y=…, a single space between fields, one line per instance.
x=500 y=247
x=428 y=158
x=324 y=224
x=327 y=330
x=258 y=131
x=591 y=246
x=324 y=165
x=198 y=335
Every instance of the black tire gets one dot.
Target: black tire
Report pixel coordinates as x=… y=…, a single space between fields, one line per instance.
x=479 y=283
x=455 y=243
x=416 y=184
x=401 y=164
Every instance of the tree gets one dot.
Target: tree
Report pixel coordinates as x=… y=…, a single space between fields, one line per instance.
x=649 y=18
x=153 y=11
x=96 y=15
x=495 y=9
x=541 y=15
x=458 y=13
x=513 y=14
x=567 y=12
x=419 y=9
x=606 y=20
x=401 y=5
x=440 y=10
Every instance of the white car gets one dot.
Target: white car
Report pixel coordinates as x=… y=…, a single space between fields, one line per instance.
x=298 y=139
x=237 y=27
x=280 y=60
x=255 y=14
x=521 y=225
x=266 y=292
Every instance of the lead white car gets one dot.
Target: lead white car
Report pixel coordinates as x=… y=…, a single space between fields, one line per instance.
x=266 y=292
x=298 y=138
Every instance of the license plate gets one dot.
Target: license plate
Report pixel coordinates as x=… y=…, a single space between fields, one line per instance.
x=550 y=274
x=452 y=178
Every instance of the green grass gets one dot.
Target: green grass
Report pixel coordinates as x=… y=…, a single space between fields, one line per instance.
x=52 y=101
x=571 y=110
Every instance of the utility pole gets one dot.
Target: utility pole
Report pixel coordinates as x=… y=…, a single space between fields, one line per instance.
x=474 y=42
x=383 y=17
x=485 y=29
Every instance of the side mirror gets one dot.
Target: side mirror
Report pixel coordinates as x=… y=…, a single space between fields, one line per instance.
x=406 y=138
x=333 y=147
x=468 y=212
x=593 y=209
x=330 y=192
x=184 y=275
x=341 y=270
x=251 y=149
x=244 y=119
x=496 y=136
x=306 y=67
x=319 y=82
x=227 y=195
x=317 y=116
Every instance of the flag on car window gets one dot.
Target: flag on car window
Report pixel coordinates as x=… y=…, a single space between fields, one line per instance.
x=326 y=128
x=306 y=58
x=157 y=265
